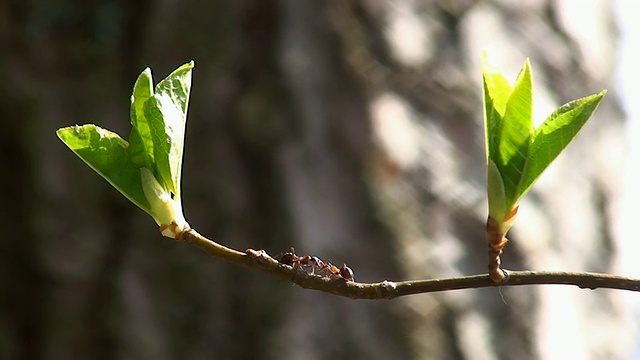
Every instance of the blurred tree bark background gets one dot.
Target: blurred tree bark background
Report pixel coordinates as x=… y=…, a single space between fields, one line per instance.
x=349 y=129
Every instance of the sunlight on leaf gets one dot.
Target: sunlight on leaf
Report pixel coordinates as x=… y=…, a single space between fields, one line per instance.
x=108 y=154
x=515 y=133
x=140 y=137
x=517 y=154
x=555 y=134
x=166 y=113
x=146 y=170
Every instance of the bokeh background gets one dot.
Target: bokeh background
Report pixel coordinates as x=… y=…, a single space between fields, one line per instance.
x=349 y=129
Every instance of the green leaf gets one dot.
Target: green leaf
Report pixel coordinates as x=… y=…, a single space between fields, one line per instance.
x=508 y=128
x=140 y=138
x=555 y=134
x=495 y=192
x=496 y=94
x=516 y=153
x=147 y=170
x=109 y=155
x=514 y=134
x=166 y=114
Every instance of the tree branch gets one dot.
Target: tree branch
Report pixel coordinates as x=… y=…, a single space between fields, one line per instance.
x=259 y=259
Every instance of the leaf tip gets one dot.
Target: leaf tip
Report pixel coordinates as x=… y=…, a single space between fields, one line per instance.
x=64 y=133
x=59 y=132
x=185 y=67
x=526 y=69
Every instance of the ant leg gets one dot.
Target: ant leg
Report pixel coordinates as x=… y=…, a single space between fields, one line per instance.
x=315 y=262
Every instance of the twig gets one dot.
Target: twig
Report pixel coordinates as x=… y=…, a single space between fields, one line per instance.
x=259 y=259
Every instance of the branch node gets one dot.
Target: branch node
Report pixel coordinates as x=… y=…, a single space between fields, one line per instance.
x=388 y=289
x=259 y=256
x=182 y=235
x=496 y=241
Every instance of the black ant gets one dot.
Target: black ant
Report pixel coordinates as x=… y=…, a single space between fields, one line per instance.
x=290 y=258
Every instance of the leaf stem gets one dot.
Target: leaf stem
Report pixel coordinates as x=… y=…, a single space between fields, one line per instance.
x=259 y=259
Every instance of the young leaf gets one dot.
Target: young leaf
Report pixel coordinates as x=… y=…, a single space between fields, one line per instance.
x=140 y=137
x=496 y=94
x=515 y=134
x=508 y=127
x=166 y=114
x=516 y=153
x=498 y=207
x=109 y=155
x=146 y=170
x=554 y=135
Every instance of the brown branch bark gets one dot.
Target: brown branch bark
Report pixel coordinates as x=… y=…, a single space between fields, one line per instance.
x=259 y=259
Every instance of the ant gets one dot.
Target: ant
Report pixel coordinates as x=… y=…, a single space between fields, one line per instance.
x=344 y=272
x=290 y=258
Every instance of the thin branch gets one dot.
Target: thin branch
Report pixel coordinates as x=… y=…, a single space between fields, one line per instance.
x=259 y=259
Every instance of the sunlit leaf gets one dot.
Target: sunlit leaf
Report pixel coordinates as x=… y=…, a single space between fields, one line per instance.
x=517 y=154
x=146 y=170
x=166 y=114
x=108 y=154
x=515 y=134
x=555 y=134
x=140 y=137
